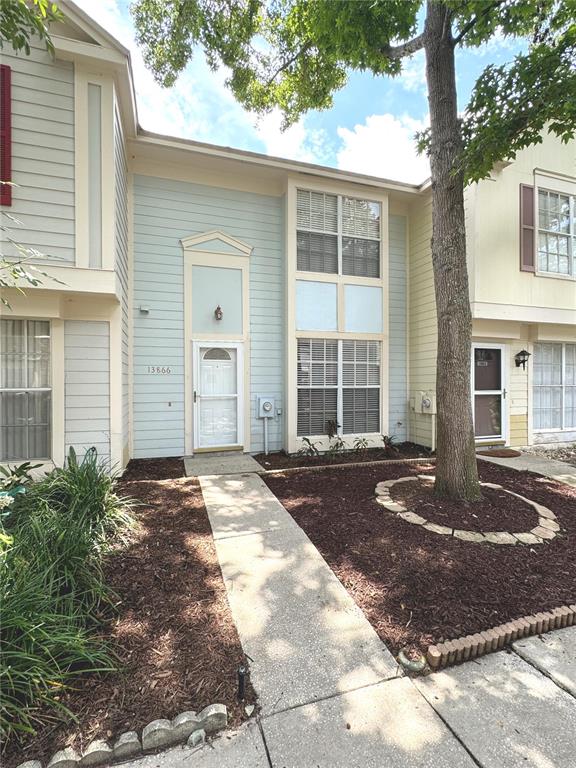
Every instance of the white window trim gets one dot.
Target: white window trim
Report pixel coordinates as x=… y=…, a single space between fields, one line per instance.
x=340 y=387
x=304 y=273
x=563 y=385
x=571 y=194
x=53 y=410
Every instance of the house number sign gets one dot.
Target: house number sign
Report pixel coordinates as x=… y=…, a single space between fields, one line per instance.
x=159 y=369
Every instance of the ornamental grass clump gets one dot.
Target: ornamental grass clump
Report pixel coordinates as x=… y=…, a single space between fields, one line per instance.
x=53 y=595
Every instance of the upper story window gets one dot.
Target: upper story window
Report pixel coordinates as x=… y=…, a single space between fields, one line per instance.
x=556 y=233
x=337 y=234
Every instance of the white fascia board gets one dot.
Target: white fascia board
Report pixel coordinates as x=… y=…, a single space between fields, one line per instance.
x=147 y=139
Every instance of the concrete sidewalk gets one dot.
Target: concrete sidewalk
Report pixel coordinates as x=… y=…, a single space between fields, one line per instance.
x=532 y=462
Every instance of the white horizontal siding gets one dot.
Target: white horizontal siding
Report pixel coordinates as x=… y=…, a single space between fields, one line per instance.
x=166 y=211
x=121 y=248
x=43 y=152
x=87 y=386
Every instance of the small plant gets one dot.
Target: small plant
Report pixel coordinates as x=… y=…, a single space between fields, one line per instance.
x=309 y=448
x=17 y=476
x=390 y=443
x=336 y=446
x=360 y=445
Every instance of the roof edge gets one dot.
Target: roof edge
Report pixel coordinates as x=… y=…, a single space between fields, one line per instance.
x=259 y=158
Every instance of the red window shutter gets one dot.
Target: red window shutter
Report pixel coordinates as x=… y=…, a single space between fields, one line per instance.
x=5 y=134
x=527 y=230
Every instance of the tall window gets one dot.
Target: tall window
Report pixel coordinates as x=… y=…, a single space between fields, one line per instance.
x=338 y=235
x=554 y=386
x=25 y=390
x=556 y=233
x=338 y=382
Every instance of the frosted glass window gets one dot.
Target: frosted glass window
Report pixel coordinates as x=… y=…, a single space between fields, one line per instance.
x=554 y=386
x=25 y=390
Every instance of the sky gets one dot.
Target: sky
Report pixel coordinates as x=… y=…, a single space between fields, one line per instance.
x=370 y=128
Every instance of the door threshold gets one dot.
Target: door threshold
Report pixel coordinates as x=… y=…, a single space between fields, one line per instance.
x=219 y=449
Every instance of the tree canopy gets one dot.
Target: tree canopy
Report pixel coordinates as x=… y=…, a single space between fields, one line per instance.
x=20 y=20
x=294 y=54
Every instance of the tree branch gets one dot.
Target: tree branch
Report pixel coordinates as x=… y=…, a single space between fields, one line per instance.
x=472 y=23
x=405 y=49
x=287 y=64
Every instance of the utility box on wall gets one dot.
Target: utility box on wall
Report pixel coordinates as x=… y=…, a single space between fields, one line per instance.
x=423 y=402
x=265 y=407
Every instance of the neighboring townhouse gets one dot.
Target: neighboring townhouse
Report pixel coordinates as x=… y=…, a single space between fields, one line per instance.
x=198 y=283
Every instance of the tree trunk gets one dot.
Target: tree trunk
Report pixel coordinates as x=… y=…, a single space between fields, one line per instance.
x=456 y=469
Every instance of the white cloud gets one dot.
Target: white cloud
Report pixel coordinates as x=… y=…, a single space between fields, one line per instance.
x=413 y=75
x=297 y=142
x=384 y=146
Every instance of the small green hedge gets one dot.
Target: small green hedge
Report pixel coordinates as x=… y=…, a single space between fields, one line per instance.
x=52 y=593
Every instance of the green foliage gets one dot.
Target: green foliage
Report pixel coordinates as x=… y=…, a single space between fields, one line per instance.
x=309 y=448
x=18 y=475
x=52 y=592
x=294 y=54
x=336 y=446
x=389 y=442
x=360 y=445
x=20 y=20
x=14 y=272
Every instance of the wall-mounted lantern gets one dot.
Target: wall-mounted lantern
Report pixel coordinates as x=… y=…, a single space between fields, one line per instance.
x=521 y=358
x=218 y=314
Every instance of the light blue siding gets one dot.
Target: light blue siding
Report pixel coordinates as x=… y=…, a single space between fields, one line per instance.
x=121 y=252
x=87 y=386
x=316 y=306
x=397 y=366
x=362 y=309
x=212 y=287
x=166 y=211
x=42 y=152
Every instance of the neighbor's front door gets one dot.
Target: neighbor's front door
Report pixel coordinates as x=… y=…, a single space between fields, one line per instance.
x=489 y=392
x=217 y=395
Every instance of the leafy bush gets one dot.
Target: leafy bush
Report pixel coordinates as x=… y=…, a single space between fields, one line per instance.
x=52 y=593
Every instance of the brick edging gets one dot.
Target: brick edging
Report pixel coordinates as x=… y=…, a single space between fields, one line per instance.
x=317 y=468
x=472 y=646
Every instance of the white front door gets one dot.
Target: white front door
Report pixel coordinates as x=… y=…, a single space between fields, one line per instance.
x=217 y=395
x=489 y=391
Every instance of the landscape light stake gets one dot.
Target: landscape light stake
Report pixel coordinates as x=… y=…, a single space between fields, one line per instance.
x=241 y=682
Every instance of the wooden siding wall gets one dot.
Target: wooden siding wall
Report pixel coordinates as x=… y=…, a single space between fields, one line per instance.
x=87 y=386
x=164 y=212
x=43 y=152
x=398 y=379
x=121 y=252
x=422 y=316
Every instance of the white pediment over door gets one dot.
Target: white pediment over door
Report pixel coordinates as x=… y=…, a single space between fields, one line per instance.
x=216 y=242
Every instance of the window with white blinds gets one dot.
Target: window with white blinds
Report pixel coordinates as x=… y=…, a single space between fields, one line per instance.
x=337 y=235
x=338 y=381
x=25 y=390
x=554 y=386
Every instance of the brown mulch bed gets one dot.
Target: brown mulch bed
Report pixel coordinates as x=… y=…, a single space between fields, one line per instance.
x=174 y=635
x=498 y=510
x=283 y=460
x=414 y=586
x=154 y=469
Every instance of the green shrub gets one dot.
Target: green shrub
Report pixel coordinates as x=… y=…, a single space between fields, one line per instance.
x=52 y=593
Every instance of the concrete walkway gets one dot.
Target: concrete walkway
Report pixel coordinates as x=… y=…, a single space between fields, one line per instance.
x=328 y=687
x=224 y=463
x=532 y=462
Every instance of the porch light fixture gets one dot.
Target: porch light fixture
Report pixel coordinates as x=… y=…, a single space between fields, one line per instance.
x=218 y=314
x=521 y=358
